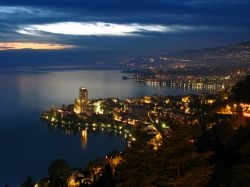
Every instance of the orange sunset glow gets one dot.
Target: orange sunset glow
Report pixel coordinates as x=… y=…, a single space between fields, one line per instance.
x=32 y=45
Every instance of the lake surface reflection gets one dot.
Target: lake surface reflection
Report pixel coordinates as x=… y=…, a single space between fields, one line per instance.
x=28 y=146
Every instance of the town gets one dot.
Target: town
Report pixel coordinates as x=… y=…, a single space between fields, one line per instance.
x=210 y=70
x=150 y=119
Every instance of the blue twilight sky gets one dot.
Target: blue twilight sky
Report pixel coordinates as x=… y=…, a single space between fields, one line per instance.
x=69 y=32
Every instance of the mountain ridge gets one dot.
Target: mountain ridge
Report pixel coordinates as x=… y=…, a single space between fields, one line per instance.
x=234 y=52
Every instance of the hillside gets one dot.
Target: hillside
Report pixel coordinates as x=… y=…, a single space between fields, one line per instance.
x=238 y=53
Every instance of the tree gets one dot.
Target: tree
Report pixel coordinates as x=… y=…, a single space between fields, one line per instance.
x=58 y=172
x=106 y=179
x=28 y=182
x=241 y=91
x=217 y=137
x=80 y=176
x=241 y=170
x=176 y=163
x=179 y=162
x=44 y=182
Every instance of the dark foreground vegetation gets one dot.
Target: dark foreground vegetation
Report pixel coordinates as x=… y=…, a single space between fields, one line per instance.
x=189 y=156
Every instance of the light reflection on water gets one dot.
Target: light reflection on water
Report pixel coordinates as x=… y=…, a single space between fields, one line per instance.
x=84 y=139
x=27 y=146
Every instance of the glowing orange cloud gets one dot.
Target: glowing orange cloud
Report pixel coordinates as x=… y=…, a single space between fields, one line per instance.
x=32 y=45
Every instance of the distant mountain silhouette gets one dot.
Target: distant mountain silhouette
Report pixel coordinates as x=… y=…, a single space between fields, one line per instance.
x=231 y=53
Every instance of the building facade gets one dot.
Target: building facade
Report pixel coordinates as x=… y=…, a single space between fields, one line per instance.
x=83 y=97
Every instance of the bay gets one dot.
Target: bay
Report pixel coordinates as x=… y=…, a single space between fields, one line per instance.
x=28 y=146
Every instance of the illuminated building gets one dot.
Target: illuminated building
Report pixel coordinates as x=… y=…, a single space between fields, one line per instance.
x=77 y=108
x=167 y=101
x=246 y=110
x=185 y=99
x=83 y=93
x=114 y=162
x=76 y=178
x=81 y=104
x=246 y=114
x=225 y=110
x=147 y=99
x=98 y=107
x=210 y=101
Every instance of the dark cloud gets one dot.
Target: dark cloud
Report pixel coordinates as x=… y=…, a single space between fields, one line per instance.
x=212 y=23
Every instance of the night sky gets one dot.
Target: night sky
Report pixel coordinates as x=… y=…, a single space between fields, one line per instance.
x=70 y=32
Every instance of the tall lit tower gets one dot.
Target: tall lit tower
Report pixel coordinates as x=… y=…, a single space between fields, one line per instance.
x=83 y=93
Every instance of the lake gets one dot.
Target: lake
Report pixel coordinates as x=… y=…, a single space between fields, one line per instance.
x=28 y=146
